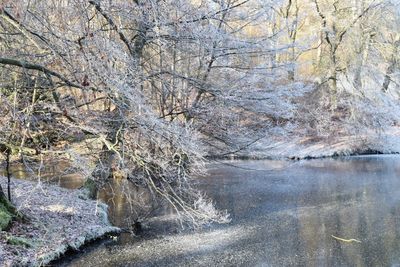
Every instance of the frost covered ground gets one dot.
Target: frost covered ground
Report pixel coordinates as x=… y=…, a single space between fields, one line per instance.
x=60 y=219
x=300 y=147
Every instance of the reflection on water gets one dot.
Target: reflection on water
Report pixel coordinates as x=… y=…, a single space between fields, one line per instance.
x=309 y=201
x=286 y=213
x=59 y=173
x=127 y=203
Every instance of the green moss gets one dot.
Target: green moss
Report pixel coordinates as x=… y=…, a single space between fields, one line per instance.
x=5 y=217
x=91 y=188
x=20 y=241
x=7 y=213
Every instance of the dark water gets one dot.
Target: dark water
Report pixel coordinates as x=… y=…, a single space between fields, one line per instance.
x=283 y=214
x=127 y=203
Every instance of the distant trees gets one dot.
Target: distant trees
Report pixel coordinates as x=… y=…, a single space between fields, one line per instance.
x=389 y=43
x=351 y=44
x=337 y=20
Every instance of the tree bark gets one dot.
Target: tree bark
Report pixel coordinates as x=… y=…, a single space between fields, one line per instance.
x=8 y=175
x=389 y=72
x=392 y=66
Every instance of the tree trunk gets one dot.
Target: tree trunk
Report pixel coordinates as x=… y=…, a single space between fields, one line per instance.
x=7 y=211
x=332 y=81
x=8 y=175
x=362 y=46
x=362 y=56
x=389 y=72
x=392 y=66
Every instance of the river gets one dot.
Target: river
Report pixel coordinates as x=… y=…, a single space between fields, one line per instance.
x=284 y=213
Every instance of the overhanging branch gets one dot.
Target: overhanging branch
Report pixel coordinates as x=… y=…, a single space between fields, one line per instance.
x=31 y=66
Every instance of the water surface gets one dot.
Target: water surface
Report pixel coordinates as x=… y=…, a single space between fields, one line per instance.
x=283 y=214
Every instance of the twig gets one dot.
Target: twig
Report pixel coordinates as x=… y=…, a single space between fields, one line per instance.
x=346 y=240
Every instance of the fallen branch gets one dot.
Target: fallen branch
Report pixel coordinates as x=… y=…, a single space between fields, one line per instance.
x=346 y=240
x=31 y=66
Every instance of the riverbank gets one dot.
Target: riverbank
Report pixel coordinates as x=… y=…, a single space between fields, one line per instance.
x=297 y=146
x=59 y=220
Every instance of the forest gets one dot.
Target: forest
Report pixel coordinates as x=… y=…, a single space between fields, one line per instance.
x=151 y=91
